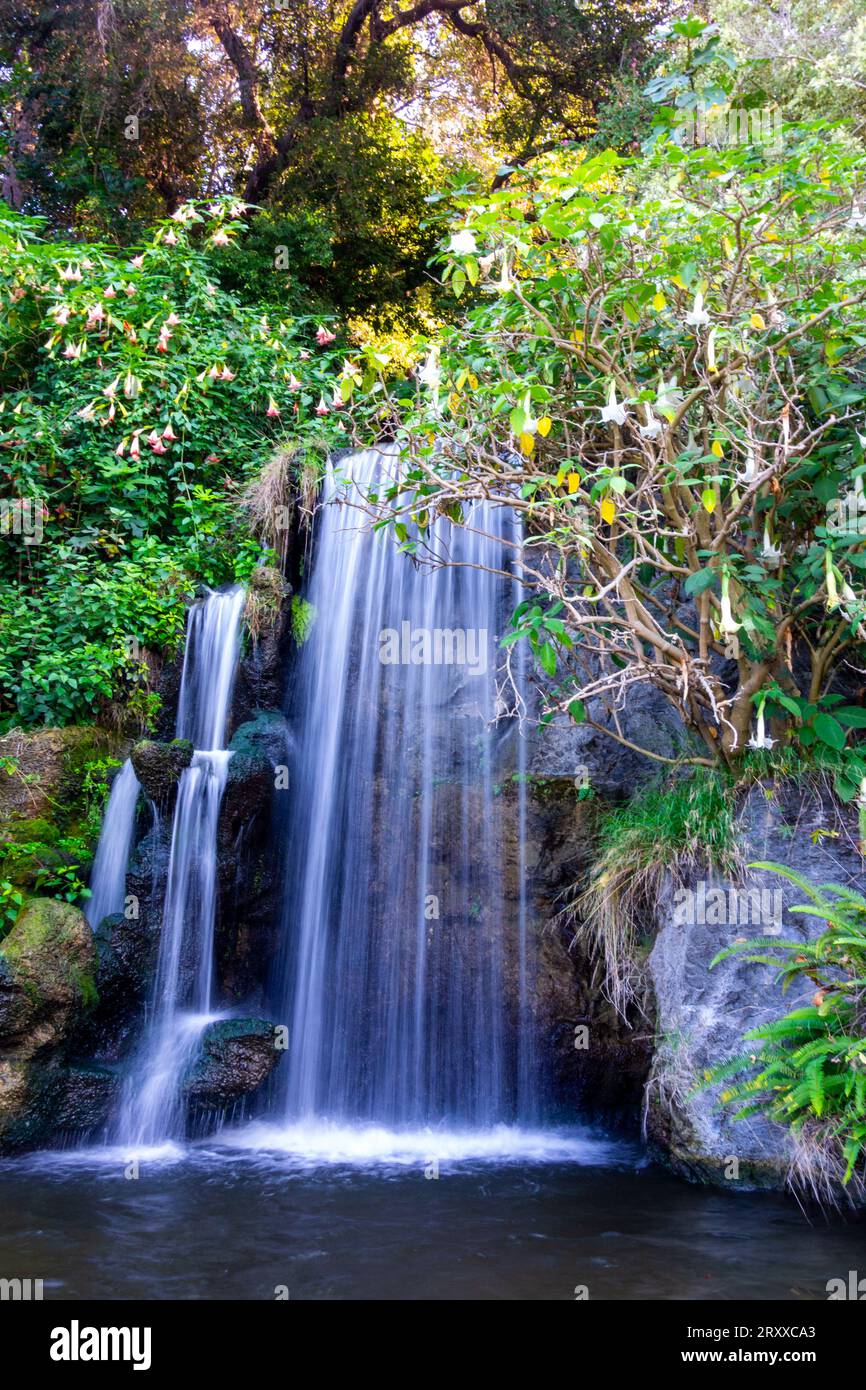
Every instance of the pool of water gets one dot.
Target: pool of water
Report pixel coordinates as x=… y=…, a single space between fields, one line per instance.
x=325 y=1213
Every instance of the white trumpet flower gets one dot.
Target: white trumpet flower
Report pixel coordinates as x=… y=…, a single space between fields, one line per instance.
x=729 y=625
x=760 y=739
x=698 y=316
x=613 y=412
x=463 y=244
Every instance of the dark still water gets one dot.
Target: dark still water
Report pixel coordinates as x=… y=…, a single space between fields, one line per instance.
x=351 y=1215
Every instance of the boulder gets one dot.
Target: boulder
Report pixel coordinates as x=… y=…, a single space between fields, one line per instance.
x=47 y=983
x=236 y=1057
x=703 y=1013
x=44 y=771
x=41 y=1105
x=158 y=767
x=47 y=976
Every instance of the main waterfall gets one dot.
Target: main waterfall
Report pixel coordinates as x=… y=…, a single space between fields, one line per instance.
x=152 y=1108
x=407 y=972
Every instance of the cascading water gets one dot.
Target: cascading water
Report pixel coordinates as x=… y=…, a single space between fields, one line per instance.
x=108 y=879
x=182 y=1006
x=408 y=972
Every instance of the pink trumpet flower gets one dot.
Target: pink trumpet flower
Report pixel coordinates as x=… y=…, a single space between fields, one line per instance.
x=294 y=384
x=169 y=434
x=322 y=407
x=273 y=409
x=323 y=336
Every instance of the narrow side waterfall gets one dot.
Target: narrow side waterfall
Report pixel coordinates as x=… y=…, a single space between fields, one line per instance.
x=108 y=877
x=182 y=1005
x=407 y=973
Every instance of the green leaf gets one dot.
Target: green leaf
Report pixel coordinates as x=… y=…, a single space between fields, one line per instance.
x=700 y=580
x=547 y=657
x=829 y=730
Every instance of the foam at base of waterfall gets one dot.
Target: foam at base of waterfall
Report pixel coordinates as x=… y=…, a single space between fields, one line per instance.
x=321 y=1142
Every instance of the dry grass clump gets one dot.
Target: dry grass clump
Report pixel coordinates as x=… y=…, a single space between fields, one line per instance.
x=660 y=836
x=265 y=596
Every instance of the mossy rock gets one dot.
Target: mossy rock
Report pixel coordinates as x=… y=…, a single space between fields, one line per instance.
x=47 y=976
x=266 y=593
x=41 y=1103
x=44 y=790
x=235 y=1058
x=261 y=739
x=158 y=767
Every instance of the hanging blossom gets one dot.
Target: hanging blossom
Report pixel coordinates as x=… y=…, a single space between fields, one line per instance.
x=698 y=317
x=728 y=624
x=463 y=243
x=831 y=576
x=760 y=739
x=505 y=282
x=613 y=412
x=747 y=473
x=770 y=552
x=430 y=374
x=324 y=336
x=653 y=428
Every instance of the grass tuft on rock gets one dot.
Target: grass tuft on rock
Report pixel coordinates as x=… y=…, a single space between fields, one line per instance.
x=666 y=830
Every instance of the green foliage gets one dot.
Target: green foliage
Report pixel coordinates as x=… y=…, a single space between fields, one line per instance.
x=139 y=400
x=346 y=228
x=303 y=617
x=689 y=818
x=807 y=1070
x=11 y=903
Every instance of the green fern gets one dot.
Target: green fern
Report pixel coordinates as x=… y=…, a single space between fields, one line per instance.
x=808 y=1068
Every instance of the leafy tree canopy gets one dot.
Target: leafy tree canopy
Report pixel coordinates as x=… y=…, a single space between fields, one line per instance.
x=331 y=114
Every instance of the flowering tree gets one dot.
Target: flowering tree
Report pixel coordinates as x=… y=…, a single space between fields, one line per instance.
x=138 y=401
x=662 y=370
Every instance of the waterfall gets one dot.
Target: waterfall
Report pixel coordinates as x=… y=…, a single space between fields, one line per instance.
x=108 y=878
x=182 y=1004
x=407 y=970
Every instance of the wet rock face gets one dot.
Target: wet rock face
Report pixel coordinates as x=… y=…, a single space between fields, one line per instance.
x=158 y=767
x=260 y=682
x=237 y=1056
x=250 y=864
x=703 y=1014
x=126 y=960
